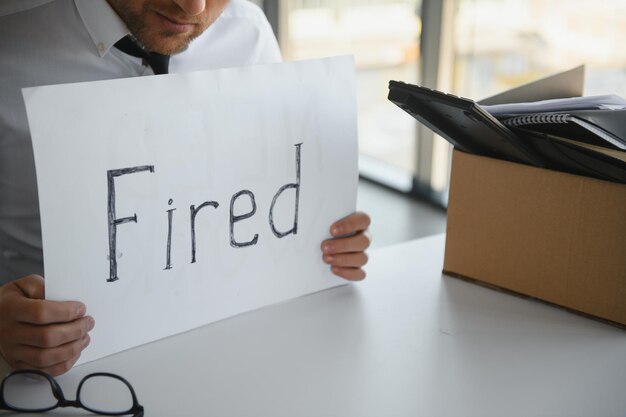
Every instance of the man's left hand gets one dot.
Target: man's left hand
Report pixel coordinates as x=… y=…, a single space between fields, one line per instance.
x=345 y=252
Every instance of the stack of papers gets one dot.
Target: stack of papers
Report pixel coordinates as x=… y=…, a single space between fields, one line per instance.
x=596 y=120
x=579 y=135
x=605 y=102
x=583 y=133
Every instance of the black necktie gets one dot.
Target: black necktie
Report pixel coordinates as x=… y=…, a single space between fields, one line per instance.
x=158 y=62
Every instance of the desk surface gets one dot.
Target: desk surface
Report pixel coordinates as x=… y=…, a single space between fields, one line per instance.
x=405 y=342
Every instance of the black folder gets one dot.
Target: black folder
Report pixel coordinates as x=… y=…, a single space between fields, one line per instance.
x=572 y=158
x=463 y=123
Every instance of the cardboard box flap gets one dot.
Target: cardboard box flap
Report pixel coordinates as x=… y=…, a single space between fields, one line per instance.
x=565 y=84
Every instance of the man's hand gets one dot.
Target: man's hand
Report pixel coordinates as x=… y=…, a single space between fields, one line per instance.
x=345 y=252
x=40 y=334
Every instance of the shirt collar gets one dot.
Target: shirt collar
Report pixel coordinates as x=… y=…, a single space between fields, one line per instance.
x=104 y=25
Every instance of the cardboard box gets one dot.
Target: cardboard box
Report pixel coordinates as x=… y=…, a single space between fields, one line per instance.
x=549 y=235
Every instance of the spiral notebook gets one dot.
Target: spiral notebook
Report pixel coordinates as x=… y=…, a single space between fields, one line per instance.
x=597 y=127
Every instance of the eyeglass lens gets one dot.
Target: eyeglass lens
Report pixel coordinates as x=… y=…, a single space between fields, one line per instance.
x=106 y=394
x=38 y=388
x=101 y=394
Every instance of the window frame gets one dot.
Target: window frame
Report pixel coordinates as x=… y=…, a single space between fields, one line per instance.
x=435 y=72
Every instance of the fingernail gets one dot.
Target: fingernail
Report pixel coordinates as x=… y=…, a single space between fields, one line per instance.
x=329 y=259
x=86 y=340
x=336 y=230
x=91 y=323
x=81 y=310
x=327 y=248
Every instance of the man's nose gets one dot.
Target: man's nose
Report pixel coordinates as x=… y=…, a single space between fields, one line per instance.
x=191 y=7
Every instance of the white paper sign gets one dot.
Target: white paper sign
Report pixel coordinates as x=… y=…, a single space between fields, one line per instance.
x=170 y=202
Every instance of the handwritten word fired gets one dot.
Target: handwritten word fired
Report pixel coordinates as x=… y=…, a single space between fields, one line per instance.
x=114 y=222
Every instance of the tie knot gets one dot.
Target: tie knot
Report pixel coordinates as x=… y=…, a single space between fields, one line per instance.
x=158 y=62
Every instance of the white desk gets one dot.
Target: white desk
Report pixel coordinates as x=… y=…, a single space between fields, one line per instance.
x=405 y=342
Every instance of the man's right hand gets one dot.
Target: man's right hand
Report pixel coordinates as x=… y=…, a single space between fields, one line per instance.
x=37 y=333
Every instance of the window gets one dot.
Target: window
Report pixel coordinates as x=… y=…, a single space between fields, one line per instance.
x=472 y=48
x=499 y=44
x=383 y=36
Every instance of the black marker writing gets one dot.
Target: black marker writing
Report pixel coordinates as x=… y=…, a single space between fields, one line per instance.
x=295 y=185
x=113 y=221
x=194 y=212
x=234 y=219
x=168 y=261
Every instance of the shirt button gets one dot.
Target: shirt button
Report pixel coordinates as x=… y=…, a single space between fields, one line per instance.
x=100 y=47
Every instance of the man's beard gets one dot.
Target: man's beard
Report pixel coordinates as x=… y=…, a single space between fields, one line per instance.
x=151 y=41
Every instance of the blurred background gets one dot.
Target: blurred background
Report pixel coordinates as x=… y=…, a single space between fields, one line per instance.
x=472 y=48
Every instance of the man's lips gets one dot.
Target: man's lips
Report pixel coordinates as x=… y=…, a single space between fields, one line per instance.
x=174 y=25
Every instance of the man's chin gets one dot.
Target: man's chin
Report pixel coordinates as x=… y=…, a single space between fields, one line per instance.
x=173 y=50
x=168 y=44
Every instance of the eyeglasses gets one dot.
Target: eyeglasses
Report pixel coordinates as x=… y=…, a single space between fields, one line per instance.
x=100 y=393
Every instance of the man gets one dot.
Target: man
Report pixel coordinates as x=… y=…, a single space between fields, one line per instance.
x=61 y=41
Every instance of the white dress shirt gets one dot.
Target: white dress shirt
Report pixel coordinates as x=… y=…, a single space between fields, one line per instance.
x=65 y=41
x=13 y=6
